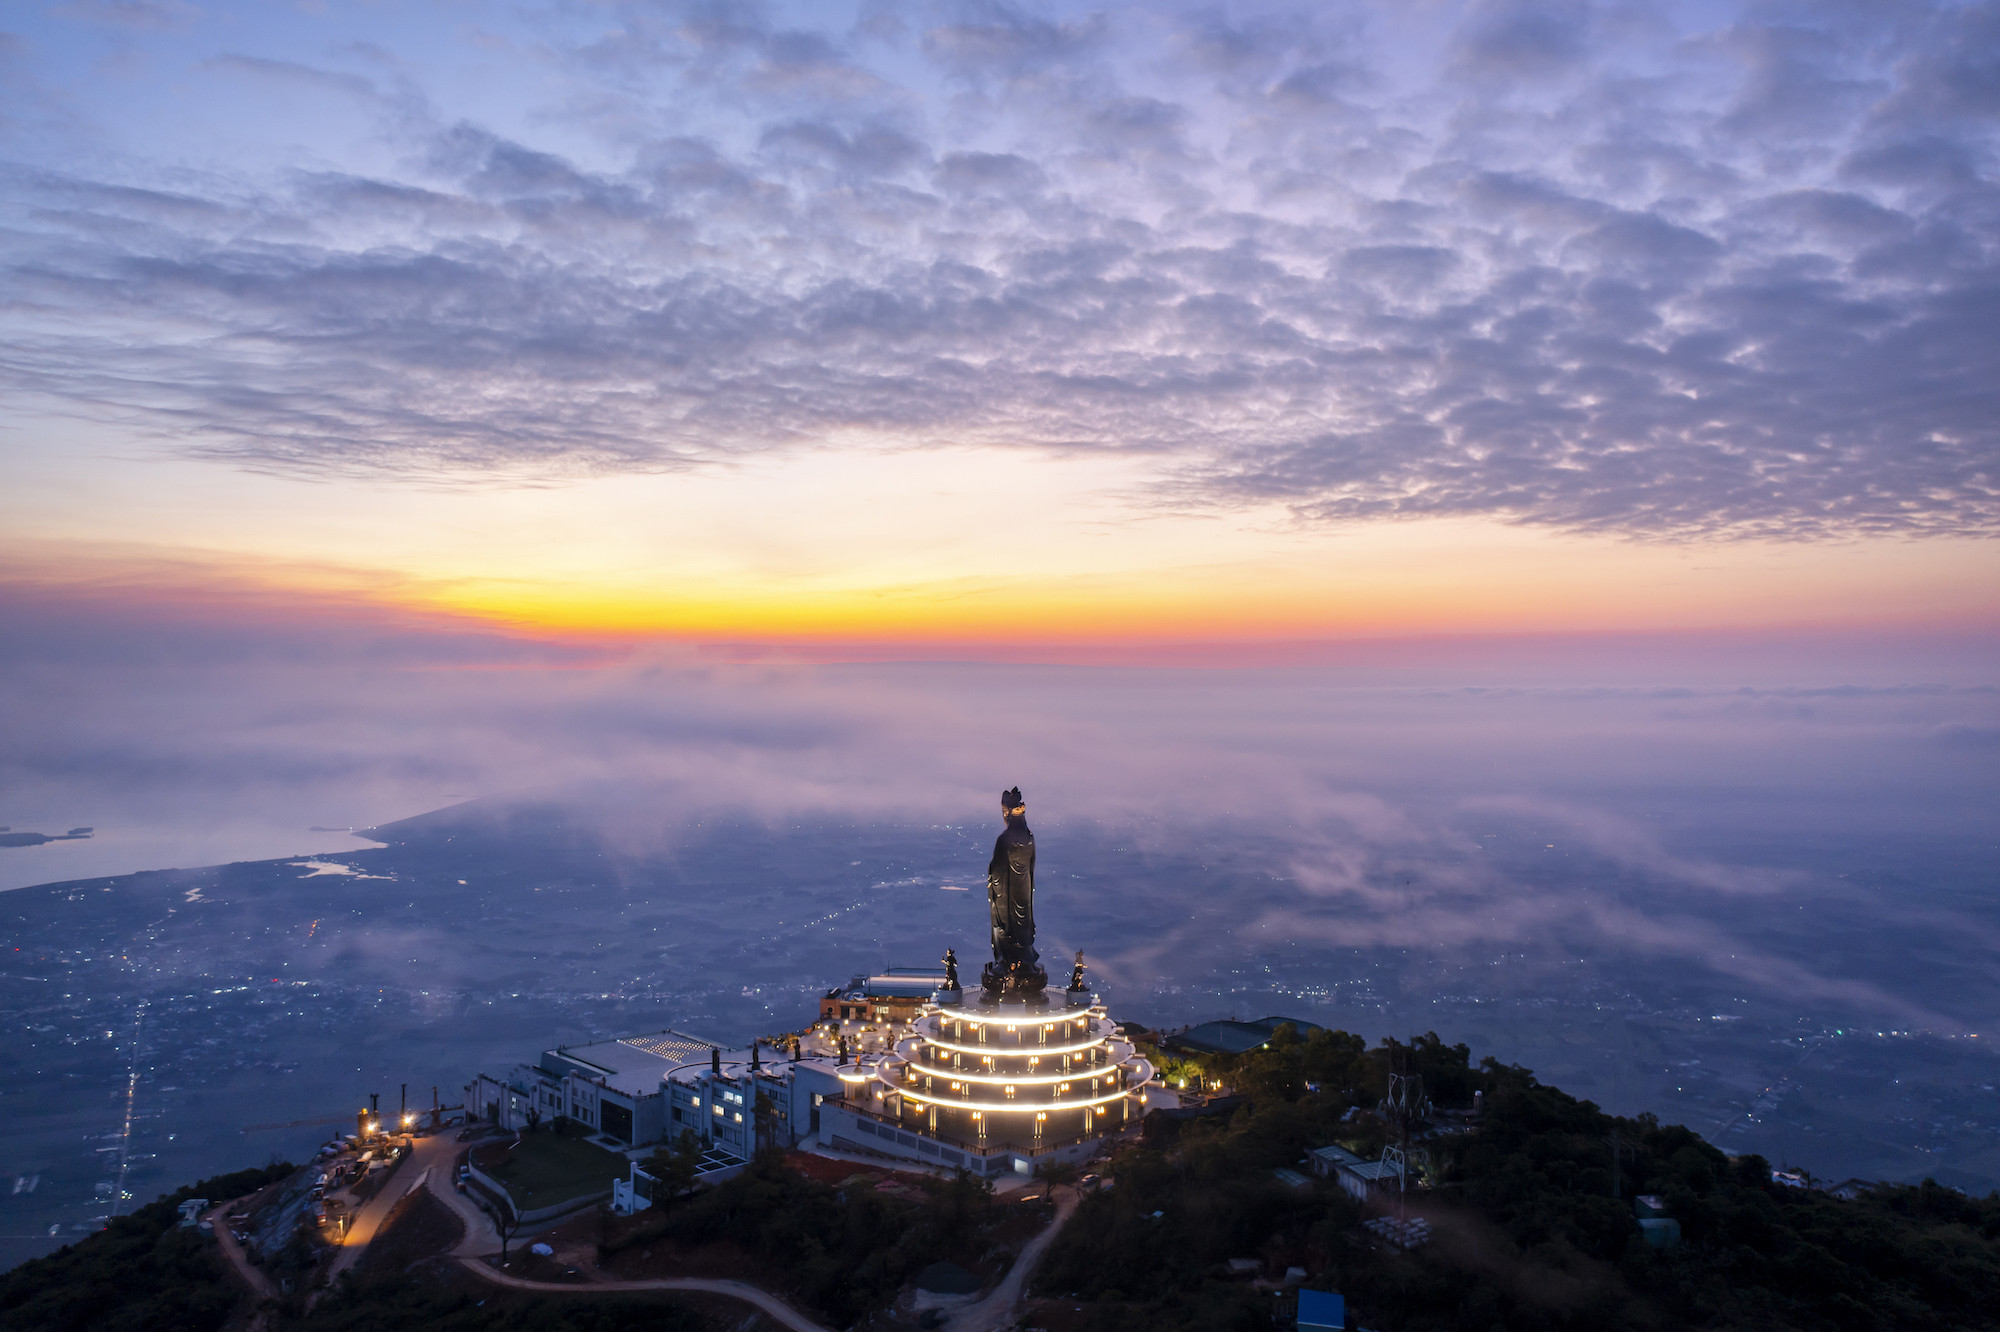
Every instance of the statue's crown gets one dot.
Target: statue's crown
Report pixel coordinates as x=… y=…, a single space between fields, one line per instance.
x=1011 y=798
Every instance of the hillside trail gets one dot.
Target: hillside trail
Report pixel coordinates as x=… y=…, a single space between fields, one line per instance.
x=996 y=1312
x=481 y=1240
x=737 y=1290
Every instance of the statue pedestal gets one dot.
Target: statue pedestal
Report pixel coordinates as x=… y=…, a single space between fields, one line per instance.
x=1015 y=998
x=1014 y=984
x=948 y=998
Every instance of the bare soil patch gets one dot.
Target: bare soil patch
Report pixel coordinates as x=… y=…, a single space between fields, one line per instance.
x=417 y=1227
x=837 y=1173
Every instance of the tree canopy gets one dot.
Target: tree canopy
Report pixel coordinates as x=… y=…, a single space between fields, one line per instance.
x=1528 y=1234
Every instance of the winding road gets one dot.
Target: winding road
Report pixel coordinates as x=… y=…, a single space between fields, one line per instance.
x=476 y=1245
x=997 y=1310
x=430 y=1166
x=735 y=1290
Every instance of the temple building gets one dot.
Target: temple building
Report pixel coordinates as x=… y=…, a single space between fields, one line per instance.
x=897 y=994
x=1006 y=1076
x=1003 y=1077
x=996 y=1087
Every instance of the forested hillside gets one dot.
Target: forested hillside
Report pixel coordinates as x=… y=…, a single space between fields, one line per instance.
x=1527 y=1232
x=1530 y=1231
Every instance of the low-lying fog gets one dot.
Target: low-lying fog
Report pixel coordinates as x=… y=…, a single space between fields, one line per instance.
x=1748 y=886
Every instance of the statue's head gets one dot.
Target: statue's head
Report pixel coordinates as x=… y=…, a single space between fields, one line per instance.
x=1011 y=801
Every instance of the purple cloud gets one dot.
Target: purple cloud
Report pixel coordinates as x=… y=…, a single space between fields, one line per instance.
x=1570 y=268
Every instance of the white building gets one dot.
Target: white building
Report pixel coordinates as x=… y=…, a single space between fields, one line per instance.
x=1362 y=1179
x=638 y=1092
x=992 y=1089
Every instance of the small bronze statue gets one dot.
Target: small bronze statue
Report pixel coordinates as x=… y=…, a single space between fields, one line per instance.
x=950 y=969
x=1076 y=977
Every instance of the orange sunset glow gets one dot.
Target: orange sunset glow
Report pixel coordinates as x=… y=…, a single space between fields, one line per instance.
x=930 y=547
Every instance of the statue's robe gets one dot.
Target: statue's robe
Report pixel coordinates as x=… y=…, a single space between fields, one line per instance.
x=1010 y=892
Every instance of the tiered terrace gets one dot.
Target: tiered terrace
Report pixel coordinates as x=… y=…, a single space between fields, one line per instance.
x=989 y=1075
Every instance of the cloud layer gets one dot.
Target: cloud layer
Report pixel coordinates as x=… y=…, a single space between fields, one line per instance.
x=1583 y=265
x=1218 y=815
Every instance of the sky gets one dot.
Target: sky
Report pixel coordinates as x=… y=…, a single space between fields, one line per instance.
x=1295 y=405
x=954 y=328
x=1451 y=481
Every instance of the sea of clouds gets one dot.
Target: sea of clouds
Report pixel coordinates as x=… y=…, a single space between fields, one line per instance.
x=1693 y=794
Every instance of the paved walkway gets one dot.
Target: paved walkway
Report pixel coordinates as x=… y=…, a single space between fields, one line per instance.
x=997 y=1311
x=735 y=1290
x=430 y=1158
x=430 y=1165
x=481 y=1235
x=481 y=1240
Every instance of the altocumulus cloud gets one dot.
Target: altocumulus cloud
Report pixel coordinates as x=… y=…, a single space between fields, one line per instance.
x=1575 y=265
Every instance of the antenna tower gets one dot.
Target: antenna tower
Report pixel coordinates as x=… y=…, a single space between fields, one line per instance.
x=1404 y=1106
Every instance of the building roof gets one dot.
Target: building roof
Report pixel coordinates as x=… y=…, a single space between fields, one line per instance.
x=904 y=983
x=1342 y=1159
x=1233 y=1037
x=1321 y=1308
x=771 y=1064
x=670 y=1045
x=633 y=1065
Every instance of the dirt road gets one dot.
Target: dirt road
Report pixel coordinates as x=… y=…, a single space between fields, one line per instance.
x=735 y=1290
x=997 y=1310
x=253 y=1277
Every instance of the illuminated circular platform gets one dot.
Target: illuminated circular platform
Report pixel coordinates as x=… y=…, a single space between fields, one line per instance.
x=986 y=1075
